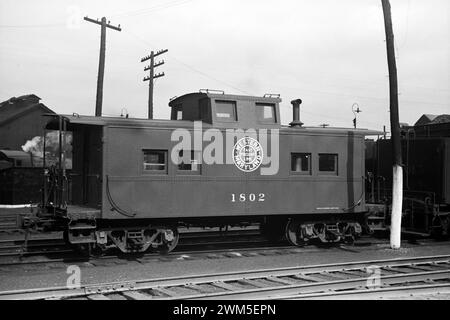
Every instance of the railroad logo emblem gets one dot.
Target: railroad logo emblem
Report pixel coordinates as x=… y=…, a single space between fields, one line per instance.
x=247 y=154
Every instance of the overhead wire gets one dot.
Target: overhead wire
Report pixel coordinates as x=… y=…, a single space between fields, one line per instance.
x=144 y=11
x=191 y=67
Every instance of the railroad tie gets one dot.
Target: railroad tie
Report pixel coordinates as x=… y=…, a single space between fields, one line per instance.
x=308 y=278
x=97 y=297
x=337 y=275
x=197 y=288
x=282 y=281
x=251 y=282
x=393 y=269
x=164 y=291
x=421 y=268
x=355 y=273
x=136 y=295
x=225 y=286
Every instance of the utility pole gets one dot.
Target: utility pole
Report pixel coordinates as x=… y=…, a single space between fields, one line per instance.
x=152 y=77
x=397 y=178
x=101 y=66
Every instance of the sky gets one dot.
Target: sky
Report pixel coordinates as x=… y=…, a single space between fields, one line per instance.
x=331 y=54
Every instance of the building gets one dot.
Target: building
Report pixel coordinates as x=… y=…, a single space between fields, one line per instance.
x=437 y=126
x=425 y=119
x=21 y=120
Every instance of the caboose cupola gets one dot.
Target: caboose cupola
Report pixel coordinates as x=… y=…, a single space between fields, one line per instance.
x=228 y=111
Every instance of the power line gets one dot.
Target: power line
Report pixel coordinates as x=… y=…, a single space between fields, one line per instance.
x=138 y=12
x=25 y=26
x=191 y=67
x=210 y=77
x=380 y=100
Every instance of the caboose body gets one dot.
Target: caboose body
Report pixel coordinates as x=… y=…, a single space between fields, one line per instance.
x=221 y=160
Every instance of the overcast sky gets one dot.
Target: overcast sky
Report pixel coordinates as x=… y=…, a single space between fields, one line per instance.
x=329 y=53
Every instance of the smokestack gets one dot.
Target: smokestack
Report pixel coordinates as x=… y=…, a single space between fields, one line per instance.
x=296 y=113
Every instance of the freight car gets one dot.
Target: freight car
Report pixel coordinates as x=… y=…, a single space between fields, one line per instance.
x=426 y=180
x=220 y=160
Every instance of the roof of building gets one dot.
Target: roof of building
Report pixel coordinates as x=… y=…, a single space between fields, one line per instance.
x=425 y=119
x=17 y=106
x=443 y=118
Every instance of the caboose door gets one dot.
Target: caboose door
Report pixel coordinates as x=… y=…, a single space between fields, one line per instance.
x=87 y=166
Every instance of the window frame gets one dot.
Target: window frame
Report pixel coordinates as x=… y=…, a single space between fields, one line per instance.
x=154 y=172
x=302 y=173
x=225 y=120
x=175 y=109
x=259 y=106
x=335 y=172
x=204 y=106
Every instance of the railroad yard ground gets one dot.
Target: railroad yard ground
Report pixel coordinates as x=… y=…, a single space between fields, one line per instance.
x=44 y=271
x=26 y=276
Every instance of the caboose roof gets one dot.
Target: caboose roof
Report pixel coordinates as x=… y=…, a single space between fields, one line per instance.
x=140 y=123
x=109 y=121
x=220 y=96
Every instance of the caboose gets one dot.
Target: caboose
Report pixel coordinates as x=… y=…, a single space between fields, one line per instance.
x=220 y=160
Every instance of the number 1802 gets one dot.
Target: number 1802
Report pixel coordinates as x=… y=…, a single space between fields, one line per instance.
x=251 y=197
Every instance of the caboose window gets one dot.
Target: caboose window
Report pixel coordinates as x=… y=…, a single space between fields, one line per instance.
x=177 y=112
x=328 y=163
x=155 y=161
x=190 y=161
x=266 y=113
x=301 y=163
x=226 y=111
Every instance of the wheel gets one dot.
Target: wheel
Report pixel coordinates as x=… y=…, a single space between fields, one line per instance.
x=169 y=240
x=294 y=233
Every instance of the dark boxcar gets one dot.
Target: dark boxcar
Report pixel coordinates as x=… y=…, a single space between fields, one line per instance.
x=133 y=182
x=427 y=166
x=21 y=185
x=426 y=183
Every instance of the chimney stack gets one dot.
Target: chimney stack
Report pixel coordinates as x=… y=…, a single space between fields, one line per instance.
x=296 y=113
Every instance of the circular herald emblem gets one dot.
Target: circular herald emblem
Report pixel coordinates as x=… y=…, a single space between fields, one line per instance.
x=247 y=154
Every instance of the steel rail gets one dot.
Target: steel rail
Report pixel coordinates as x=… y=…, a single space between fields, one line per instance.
x=131 y=288
x=277 y=292
x=12 y=248
x=232 y=252
x=434 y=289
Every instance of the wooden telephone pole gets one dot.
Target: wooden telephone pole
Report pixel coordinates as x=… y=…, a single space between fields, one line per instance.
x=397 y=178
x=101 y=66
x=152 y=77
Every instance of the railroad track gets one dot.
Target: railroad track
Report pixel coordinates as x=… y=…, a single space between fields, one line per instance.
x=188 y=241
x=11 y=248
x=397 y=277
x=8 y=222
